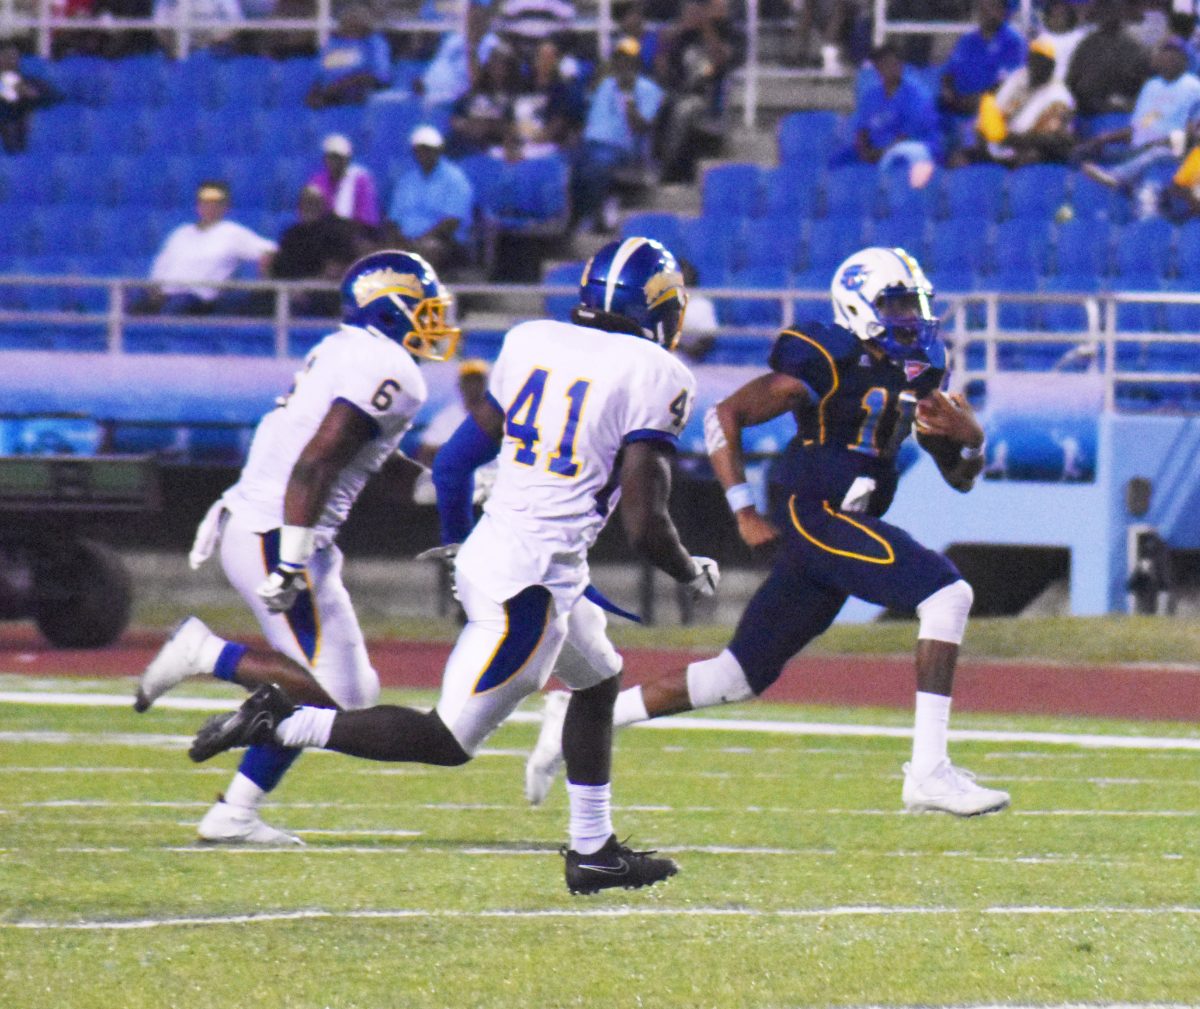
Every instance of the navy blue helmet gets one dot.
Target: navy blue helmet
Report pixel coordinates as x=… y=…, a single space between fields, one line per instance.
x=397 y=295
x=637 y=284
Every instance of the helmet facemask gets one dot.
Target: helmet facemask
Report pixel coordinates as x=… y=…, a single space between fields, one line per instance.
x=432 y=335
x=904 y=322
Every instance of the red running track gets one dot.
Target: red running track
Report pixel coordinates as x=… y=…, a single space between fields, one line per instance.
x=1136 y=692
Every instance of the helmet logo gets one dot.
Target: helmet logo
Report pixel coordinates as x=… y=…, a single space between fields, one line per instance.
x=913 y=369
x=853 y=277
x=376 y=283
x=662 y=283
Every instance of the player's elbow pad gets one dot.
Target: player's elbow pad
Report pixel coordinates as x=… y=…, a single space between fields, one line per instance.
x=453 y=477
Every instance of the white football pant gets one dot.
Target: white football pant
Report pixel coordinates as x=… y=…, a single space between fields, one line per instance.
x=320 y=632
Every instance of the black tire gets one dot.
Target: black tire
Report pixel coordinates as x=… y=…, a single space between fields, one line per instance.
x=85 y=596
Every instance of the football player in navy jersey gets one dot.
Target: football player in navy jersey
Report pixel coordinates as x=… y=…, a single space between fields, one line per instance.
x=857 y=388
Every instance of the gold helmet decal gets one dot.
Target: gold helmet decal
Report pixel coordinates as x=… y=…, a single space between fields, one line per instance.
x=662 y=285
x=385 y=281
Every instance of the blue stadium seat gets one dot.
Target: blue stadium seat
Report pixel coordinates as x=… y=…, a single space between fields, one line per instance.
x=900 y=201
x=851 y=191
x=22 y=236
x=662 y=227
x=1187 y=253
x=828 y=241
x=906 y=233
x=731 y=190
x=754 y=312
x=790 y=192
x=290 y=81
x=957 y=243
x=768 y=243
x=386 y=125
x=1065 y=317
x=1087 y=127
x=140 y=81
x=1020 y=247
x=531 y=194
x=1183 y=318
x=249 y=184
x=711 y=247
x=1037 y=191
x=58 y=129
x=1094 y=200
x=975 y=192
x=84 y=79
x=1140 y=317
x=807 y=137
x=1081 y=251
x=286 y=178
x=28 y=183
x=1019 y=316
x=244 y=82
x=558 y=306
x=815 y=308
x=1142 y=254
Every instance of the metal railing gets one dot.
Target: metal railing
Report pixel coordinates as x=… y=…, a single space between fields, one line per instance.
x=969 y=320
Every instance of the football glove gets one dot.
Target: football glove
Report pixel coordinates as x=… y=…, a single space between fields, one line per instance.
x=282 y=586
x=443 y=555
x=704 y=581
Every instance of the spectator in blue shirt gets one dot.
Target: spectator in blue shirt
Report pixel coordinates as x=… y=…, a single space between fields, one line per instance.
x=894 y=108
x=979 y=62
x=616 y=134
x=1164 y=106
x=432 y=204
x=354 y=62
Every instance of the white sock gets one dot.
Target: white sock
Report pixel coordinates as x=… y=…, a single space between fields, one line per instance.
x=630 y=707
x=243 y=792
x=591 y=816
x=930 y=727
x=306 y=727
x=209 y=651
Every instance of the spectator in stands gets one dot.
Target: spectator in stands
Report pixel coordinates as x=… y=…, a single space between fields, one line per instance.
x=1164 y=106
x=615 y=136
x=483 y=117
x=525 y=24
x=472 y=391
x=700 y=326
x=347 y=187
x=694 y=58
x=895 y=117
x=20 y=94
x=979 y=63
x=433 y=204
x=354 y=62
x=447 y=76
x=548 y=115
x=1029 y=120
x=195 y=256
x=1108 y=66
x=319 y=246
x=1152 y=25
x=1061 y=28
x=629 y=16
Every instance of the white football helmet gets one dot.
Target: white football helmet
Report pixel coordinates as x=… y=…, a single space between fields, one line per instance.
x=883 y=295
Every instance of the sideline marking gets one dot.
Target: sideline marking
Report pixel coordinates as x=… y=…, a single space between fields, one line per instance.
x=863 y=911
x=787 y=728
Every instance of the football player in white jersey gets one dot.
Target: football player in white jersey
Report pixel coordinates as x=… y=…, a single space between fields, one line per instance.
x=311 y=456
x=579 y=414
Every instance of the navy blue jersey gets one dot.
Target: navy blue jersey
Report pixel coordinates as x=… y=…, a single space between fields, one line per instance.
x=860 y=410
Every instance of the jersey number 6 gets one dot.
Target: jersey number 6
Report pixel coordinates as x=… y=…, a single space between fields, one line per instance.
x=520 y=423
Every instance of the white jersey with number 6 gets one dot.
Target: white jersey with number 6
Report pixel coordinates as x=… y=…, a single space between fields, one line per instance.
x=372 y=374
x=572 y=397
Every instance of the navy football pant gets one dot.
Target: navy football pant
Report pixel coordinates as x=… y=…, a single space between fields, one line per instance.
x=826 y=556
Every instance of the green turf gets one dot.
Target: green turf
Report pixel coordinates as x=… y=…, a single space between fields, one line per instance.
x=801 y=883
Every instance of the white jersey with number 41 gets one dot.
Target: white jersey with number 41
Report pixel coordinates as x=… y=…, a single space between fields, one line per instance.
x=377 y=377
x=572 y=398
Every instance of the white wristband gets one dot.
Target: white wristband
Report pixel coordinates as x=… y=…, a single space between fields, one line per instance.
x=295 y=545
x=969 y=453
x=740 y=496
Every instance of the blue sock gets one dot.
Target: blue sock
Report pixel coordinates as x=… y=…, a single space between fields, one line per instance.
x=227 y=661
x=266 y=765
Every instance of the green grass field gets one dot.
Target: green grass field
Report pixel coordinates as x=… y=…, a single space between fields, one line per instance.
x=801 y=882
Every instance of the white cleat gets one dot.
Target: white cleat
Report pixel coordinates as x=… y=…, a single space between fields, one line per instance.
x=948 y=789
x=178 y=659
x=226 y=824
x=547 y=757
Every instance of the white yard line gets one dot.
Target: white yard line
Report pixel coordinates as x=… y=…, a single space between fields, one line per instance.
x=676 y=722
x=865 y=911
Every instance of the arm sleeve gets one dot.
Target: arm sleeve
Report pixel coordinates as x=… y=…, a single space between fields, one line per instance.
x=454 y=477
x=253 y=246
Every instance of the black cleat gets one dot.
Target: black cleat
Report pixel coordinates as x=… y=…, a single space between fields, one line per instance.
x=615 y=865
x=251 y=725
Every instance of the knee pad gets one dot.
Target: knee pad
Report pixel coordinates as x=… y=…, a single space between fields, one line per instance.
x=943 y=615
x=719 y=680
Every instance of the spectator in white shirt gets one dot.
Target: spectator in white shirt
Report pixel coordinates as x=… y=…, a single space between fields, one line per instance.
x=196 y=256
